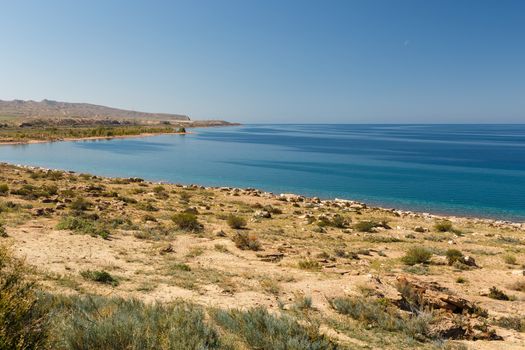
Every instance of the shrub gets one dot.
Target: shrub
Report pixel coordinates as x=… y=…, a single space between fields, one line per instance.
x=102 y=323
x=495 y=293
x=512 y=322
x=4 y=189
x=83 y=226
x=246 y=241
x=23 y=324
x=443 y=226
x=370 y=225
x=509 y=259
x=308 y=264
x=518 y=286
x=186 y=222
x=303 y=303
x=236 y=222
x=159 y=189
x=261 y=330
x=378 y=313
x=461 y=279
x=417 y=255
x=180 y=267
x=453 y=255
x=3 y=232
x=80 y=204
x=100 y=277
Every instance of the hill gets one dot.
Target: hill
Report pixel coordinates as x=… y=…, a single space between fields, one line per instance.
x=56 y=109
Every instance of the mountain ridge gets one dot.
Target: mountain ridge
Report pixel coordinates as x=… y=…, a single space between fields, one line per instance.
x=57 y=109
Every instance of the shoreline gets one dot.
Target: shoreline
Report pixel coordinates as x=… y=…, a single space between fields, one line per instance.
x=353 y=205
x=90 y=138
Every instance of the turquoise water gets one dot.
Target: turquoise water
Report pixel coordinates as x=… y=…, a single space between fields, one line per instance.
x=475 y=170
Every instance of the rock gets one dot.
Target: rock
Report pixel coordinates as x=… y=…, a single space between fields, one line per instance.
x=37 y=211
x=469 y=261
x=271 y=256
x=262 y=214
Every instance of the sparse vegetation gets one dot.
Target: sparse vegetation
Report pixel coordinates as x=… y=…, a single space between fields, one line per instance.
x=370 y=225
x=187 y=222
x=246 y=241
x=309 y=264
x=510 y=259
x=498 y=294
x=236 y=222
x=103 y=277
x=254 y=326
x=453 y=256
x=23 y=324
x=417 y=255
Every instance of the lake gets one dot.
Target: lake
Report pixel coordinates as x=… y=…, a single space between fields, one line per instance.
x=473 y=170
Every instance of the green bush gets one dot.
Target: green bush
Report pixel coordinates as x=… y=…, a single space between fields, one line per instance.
x=80 y=204
x=236 y=222
x=510 y=259
x=308 y=264
x=186 y=222
x=498 y=294
x=443 y=226
x=453 y=255
x=380 y=314
x=246 y=241
x=84 y=323
x=417 y=255
x=370 y=225
x=3 y=232
x=4 y=189
x=261 y=330
x=83 y=226
x=100 y=277
x=23 y=324
x=512 y=322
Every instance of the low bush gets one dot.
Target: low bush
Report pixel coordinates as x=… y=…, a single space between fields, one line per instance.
x=443 y=226
x=512 y=322
x=186 y=222
x=261 y=330
x=453 y=256
x=3 y=232
x=370 y=225
x=4 y=189
x=80 y=204
x=380 y=314
x=510 y=259
x=518 y=286
x=446 y=226
x=246 y=241
x=236 y=222
x=308 y=264
x=102 y=323
x=100 y=277
x=83 y=226
x=23 y=324
x=417 y=255
x=498 y=294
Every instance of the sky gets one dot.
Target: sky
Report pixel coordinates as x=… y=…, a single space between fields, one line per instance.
x=272 y=61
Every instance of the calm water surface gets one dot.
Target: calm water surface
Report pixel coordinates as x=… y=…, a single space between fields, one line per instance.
x=476 y=170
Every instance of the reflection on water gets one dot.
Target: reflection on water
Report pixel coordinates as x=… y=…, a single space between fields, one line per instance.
x=464 y=169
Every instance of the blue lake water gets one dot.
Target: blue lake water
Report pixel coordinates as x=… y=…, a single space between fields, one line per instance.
x=474 y=170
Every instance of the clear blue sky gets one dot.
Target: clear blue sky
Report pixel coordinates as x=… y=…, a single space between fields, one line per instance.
x=272 y=60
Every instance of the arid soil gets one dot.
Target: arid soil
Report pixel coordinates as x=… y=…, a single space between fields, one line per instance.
x=291 y=253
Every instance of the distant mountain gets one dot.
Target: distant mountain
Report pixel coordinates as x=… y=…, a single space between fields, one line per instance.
x=55 y=109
